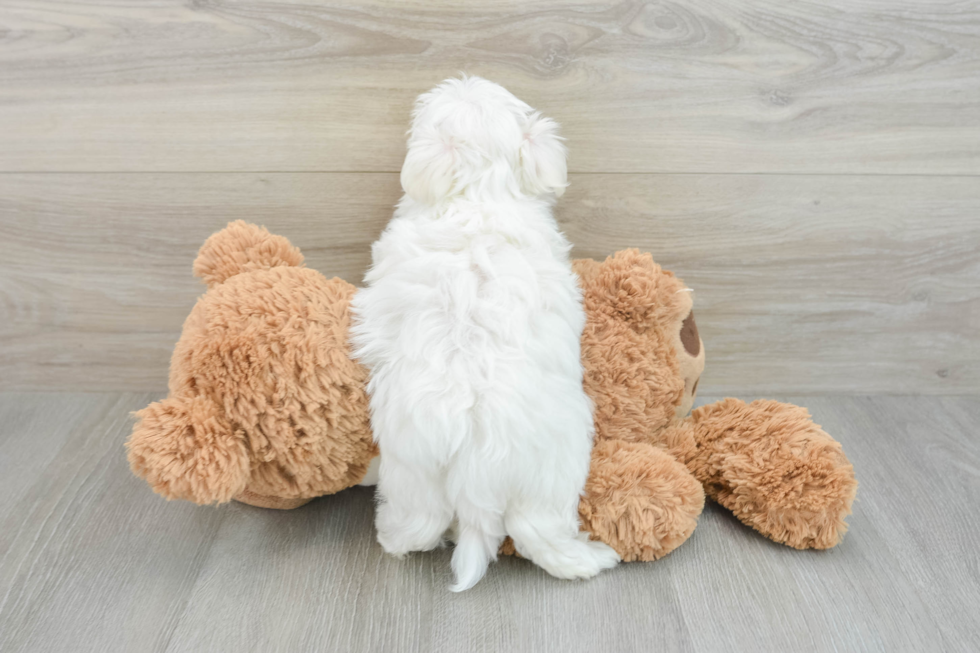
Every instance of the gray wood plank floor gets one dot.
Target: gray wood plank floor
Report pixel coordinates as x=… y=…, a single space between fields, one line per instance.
x=91 y=560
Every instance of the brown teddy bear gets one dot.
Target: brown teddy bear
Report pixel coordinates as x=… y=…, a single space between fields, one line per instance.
x=267 y=407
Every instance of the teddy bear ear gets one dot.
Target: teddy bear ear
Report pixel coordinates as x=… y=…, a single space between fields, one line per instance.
x=625 y=285
x=544 y=168
x=630 y=286
x=242 y=247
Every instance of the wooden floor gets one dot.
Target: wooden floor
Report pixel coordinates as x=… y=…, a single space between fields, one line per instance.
x=92 y=560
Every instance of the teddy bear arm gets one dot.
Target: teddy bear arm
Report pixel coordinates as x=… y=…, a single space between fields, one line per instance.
x=638 y=499
x=776 y=470
x=186 y=448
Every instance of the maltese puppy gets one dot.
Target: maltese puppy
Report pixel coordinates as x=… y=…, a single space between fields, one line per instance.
x=470 y=325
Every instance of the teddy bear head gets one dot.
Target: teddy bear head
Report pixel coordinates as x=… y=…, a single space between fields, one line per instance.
x=640 y=348
x=265 y=400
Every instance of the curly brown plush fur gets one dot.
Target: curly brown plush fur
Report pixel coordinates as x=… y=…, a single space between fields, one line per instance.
x=766 y=461
x=763 y=460
x=267 y=407
x=264 y=396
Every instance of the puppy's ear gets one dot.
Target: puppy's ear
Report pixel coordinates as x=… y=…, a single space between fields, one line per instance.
x=543 y=166
x=428 y=174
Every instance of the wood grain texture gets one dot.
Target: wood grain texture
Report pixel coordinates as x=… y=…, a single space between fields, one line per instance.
x=87 y=564
x=808 y=284
x=704 y=86
x=91 y=560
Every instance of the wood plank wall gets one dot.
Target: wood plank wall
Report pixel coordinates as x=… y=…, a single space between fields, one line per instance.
x=811 y=169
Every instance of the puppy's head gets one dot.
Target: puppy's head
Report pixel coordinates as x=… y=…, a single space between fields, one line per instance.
x=472 y=136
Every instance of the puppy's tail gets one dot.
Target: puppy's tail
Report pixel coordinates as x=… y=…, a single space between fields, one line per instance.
x=548 y=543
x=474 y=551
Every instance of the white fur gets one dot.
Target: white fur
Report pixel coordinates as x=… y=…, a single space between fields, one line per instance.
x=470 y=325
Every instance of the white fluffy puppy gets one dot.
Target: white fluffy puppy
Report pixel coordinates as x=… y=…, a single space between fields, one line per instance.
x=470 y=325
